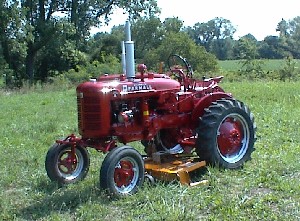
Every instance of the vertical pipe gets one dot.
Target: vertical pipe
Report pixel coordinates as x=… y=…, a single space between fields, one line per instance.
x=127 y=31
x=123 y=57
x=129 y=56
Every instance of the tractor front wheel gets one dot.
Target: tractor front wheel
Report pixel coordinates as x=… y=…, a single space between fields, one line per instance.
x=122 y=171
x=67 y=165
x=226 y=134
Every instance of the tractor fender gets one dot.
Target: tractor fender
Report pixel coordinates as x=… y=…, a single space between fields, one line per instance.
x=205 y=102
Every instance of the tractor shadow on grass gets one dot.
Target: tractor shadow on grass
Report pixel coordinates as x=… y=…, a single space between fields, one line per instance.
x=53 y=199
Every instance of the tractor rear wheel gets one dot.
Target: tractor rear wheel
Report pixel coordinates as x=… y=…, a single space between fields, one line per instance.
x=122 y=171
x=226 y=134
x=66 y=167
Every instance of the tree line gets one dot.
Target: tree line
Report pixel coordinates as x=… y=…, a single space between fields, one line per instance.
x=42 y=40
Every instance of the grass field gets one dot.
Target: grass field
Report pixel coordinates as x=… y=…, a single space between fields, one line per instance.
x=267 y=188
x=268 y=65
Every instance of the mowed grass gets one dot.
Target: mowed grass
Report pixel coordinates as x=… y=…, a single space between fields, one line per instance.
x=267 y=188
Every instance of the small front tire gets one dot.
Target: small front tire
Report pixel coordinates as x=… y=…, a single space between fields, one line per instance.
x=122 y=171
x=64 y=168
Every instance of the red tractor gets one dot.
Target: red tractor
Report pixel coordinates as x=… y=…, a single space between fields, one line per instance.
x=170 y=113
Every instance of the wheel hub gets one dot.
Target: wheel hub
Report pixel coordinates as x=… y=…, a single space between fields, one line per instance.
x=123 y=174
x=67 y=164
x=230 y=137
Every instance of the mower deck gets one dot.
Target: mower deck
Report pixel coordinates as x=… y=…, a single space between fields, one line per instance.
x=168 y=167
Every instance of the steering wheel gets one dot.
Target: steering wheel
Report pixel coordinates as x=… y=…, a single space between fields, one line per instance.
x=179 y=66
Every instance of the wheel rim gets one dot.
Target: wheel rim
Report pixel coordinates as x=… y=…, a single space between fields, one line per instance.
x=126 y=175
x=68 y=166
x=233 y=138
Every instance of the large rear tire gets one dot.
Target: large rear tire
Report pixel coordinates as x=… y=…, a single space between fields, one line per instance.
x=226 y=134
x=122 y=171
x=64 y=168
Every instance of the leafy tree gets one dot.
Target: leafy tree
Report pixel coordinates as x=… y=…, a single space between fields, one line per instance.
x=222 y=48
x=173 y=25
x=290 y=36
x=85 y=14
x=211 y=35
x=12 y=42
x=37 y=26
x=246 y=48
x=104 y=44
x=180 y=43
x=289 y=71
x=248 y=52
x=270 y=48
x=282 y=28
x=147 y=34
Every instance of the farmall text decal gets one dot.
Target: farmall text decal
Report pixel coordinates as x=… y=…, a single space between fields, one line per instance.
x=136 y=87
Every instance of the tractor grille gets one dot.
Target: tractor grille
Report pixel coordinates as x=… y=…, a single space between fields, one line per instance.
x=89 y=113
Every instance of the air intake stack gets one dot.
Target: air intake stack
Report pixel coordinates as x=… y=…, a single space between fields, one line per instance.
x=128 y=64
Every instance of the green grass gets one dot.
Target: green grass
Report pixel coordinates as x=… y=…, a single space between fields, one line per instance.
x=268 y=65
x=267 y=188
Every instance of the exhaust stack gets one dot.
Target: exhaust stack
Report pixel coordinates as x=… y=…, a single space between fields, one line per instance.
x=123 y=57
x=128 y=53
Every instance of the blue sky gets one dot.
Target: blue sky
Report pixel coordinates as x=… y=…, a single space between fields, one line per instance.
x=258 y=17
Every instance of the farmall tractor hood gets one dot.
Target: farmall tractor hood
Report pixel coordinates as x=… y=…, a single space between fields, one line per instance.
x=153 y=82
